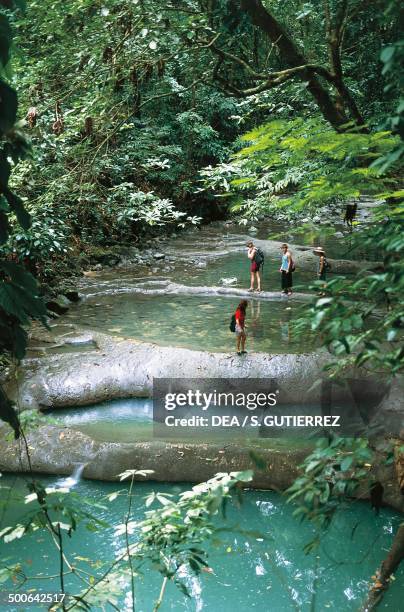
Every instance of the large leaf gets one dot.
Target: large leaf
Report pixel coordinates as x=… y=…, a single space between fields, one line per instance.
x=18 y=299
x=5 y=170
x=5 y=40
x=8 y=107
x=17 y=206
x=19 y=276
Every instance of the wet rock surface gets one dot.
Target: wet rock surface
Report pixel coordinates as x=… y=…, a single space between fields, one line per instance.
x=90 y=367
x=126 y=368
x=56 y=450
x=60 y=451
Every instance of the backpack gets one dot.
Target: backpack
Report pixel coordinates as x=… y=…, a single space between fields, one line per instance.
x=327 y=265
x=292 y=266
x=259 y=257
x=233 y=323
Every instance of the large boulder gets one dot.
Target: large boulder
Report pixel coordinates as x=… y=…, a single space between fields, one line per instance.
x=55 y=450
x=121 y=368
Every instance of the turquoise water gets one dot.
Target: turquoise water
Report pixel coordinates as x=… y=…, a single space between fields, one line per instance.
x=126 y=420
x=131 y=420
x=191 y=322
x=265 y=570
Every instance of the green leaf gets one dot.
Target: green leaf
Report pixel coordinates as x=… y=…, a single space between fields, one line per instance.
x=8 y=107
x=17 y=206
x=346 y=463
x=5 y=40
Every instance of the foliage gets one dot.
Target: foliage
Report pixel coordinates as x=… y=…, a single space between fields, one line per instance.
x=331 y=474
x=131 y=206
x=19 y=298
x=360 y=320
x=130 y=93
x=304 y=161
x=171 y=536
x=392 y=57
x=129 y=123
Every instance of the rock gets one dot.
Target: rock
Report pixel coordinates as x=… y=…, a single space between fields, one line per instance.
x=60 y=450
x=59 y=305
x=126 y=368
x=201 y=264
x=306 y=260
x=339 y=235
x=77 y=340
x=253 y=230
x=159 y=255
x=72 y=295
x=316 y=219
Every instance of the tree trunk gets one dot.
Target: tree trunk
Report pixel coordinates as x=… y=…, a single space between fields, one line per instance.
x=387 y=568
x=293 y=58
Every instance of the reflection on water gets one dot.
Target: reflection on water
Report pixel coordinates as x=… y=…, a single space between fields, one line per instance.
x=192 y=322
x=258 y=565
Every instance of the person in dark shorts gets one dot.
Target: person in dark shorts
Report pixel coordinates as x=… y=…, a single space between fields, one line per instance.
x=350 y=214
x=241 y=336
x=254 y=268
x=286 y=270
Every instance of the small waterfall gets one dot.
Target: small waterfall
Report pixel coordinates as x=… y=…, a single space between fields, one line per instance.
x=70 y=481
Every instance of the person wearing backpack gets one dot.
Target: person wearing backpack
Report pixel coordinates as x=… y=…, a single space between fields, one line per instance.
x=286 y=269
x=237 y=325
x=257 y=262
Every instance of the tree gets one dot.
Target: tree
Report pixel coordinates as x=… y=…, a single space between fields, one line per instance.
x=19 y=294
x=339 y=109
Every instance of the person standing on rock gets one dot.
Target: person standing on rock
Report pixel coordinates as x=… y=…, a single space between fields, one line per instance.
x=321 y=268
x=323 y=265
x=241 y=336
x=286 y=270
x=257 y=260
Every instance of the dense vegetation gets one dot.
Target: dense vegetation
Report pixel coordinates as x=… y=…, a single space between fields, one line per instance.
x=125 y=104
x=142 y=113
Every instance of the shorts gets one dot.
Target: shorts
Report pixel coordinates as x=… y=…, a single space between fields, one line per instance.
x=255 y=267
x=239 y=330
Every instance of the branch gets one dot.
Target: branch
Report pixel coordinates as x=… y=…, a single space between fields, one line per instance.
x=389 y=565
x=239 y=61
x=273 y=79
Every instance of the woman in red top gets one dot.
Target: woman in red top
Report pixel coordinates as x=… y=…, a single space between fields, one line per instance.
x=240 y=327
